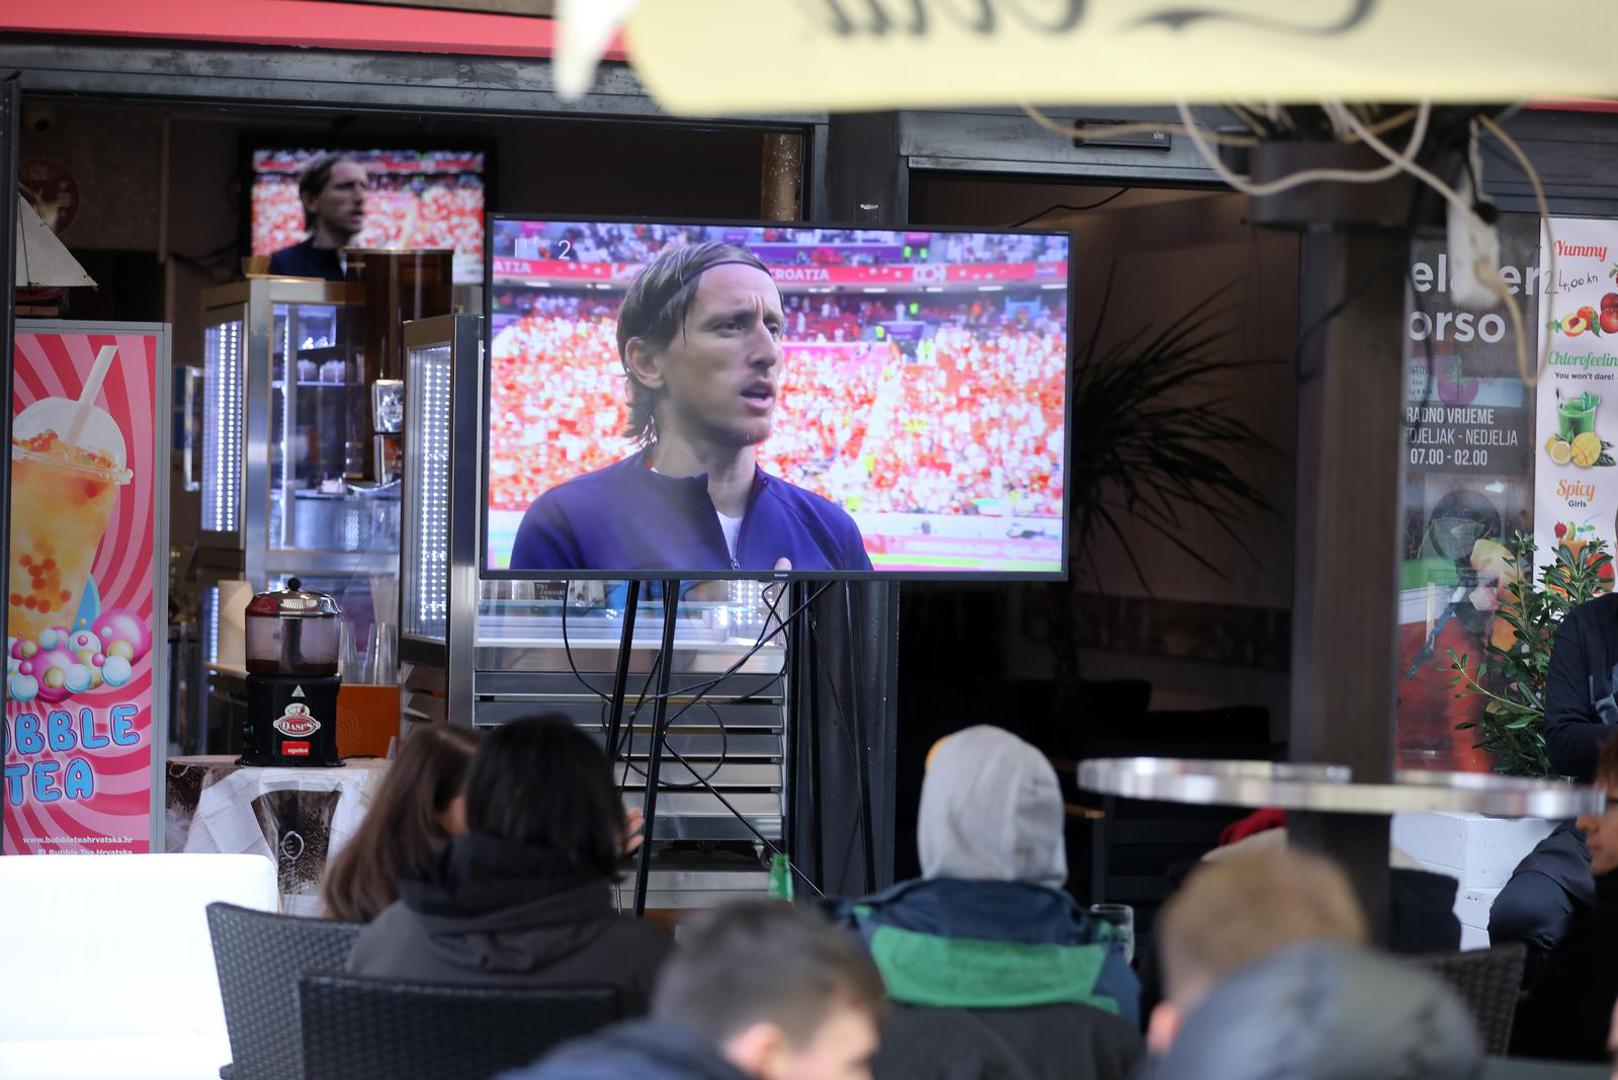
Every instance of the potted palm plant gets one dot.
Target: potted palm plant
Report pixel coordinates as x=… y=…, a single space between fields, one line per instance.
x=1151 y=443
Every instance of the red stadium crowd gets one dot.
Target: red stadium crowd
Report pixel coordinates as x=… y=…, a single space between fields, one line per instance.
x=400 y=212
x=965 y=421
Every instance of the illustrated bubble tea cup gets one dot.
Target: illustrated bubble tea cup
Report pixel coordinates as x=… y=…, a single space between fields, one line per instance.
x=67 y=467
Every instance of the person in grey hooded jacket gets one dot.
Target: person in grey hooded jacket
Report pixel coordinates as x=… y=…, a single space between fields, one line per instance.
x=1325 y=1011
x=994 y=971
x=524 y=898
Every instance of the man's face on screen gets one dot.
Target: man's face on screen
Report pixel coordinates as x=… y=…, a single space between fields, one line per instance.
x=721 y=373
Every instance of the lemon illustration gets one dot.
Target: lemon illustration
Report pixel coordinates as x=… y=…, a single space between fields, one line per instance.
x=1560 y=452
x=1586 y=449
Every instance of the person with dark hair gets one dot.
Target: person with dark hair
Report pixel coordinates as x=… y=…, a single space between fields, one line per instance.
x=332 y=188
x=990 y=964
x=1568 y=1013
x=524 y=897
x=699 y=336
x=758 y=990
x=421 y=803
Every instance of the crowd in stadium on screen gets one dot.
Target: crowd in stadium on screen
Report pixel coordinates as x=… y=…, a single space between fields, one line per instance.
x=411 y=211
x=972 y=413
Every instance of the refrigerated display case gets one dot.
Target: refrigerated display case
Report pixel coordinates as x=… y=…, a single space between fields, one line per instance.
x=477 y=652
x=279 y=376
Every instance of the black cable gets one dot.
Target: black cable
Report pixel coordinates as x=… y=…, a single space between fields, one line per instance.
x=773 y=849
x=567 y=647
x=1066 y=206
x=719 y=719
x=696 y=781
x=1359 y=289
x=701 y=688
x=626 y=739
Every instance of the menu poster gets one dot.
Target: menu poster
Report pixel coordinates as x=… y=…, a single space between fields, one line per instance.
x=1576 y=485
x=1468 y=488
x=87 y=597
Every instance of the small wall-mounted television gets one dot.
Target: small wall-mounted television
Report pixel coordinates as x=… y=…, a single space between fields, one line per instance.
x=712 y=400
x=419 y=197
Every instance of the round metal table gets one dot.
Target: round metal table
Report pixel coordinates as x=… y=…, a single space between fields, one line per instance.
x=1331 y=789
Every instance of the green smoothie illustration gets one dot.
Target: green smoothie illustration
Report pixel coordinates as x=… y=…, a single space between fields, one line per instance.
x=1578 y=415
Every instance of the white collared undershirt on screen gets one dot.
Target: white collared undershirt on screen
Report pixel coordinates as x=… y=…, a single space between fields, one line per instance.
x=732 y=528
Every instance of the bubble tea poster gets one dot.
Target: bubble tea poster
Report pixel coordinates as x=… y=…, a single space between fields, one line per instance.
x=86 y=595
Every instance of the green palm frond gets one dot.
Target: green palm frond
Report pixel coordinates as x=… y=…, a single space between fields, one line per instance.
x=1152 y=443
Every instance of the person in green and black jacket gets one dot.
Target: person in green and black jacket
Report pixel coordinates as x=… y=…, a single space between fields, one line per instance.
x=991 y=967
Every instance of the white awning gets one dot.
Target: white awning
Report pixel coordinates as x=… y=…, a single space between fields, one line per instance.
x=757 y=56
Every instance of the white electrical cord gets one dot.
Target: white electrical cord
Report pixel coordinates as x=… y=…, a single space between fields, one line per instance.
x=1309 y=176
x=1402 y=162
x=1485 y=272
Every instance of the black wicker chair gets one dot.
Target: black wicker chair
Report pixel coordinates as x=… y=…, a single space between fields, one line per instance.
x=259 y=956
x=359 y=1028
x=1489 y=981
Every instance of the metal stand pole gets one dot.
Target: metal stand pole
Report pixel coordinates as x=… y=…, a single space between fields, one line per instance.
x=620 y=676
x=654 y=762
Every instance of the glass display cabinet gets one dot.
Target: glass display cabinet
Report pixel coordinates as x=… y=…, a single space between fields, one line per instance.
x=278 y=495
x=485 y=652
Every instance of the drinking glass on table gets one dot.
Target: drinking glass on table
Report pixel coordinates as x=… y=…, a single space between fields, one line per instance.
x=1120 y=919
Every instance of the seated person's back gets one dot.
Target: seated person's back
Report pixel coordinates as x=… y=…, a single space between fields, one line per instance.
x=1566 y=1015
x=988 y=929
x=757 y=991
x=1324 y=1011
x=524 y=898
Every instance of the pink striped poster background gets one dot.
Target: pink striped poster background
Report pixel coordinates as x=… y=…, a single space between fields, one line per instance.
x=39 y=816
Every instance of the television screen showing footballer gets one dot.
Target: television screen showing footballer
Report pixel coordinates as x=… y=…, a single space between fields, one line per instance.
x=416 y=198
x=710 y=400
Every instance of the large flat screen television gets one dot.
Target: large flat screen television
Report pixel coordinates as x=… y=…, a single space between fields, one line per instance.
x=709 y=400
x=419 y=197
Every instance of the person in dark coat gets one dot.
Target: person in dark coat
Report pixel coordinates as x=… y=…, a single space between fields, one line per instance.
x=1553 y=882
x=992 y=968
x=758 y=990
x=1568 y=1014
x=1325 y=1011
x=525 y=897
x=332 y=188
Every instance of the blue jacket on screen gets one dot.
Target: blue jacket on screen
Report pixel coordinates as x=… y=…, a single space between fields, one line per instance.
x=304 y=260
x=627 y=517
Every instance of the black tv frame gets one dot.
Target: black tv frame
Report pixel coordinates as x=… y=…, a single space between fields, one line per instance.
x=485 y=573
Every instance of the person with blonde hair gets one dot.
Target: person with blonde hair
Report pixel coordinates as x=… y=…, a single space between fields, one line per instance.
x=1235 y=911
x=1268 y=977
